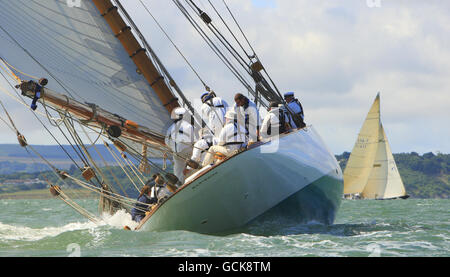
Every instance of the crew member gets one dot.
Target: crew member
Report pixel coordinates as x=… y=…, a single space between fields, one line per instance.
x=231 y=138
x=143 y=201
x=180 y=138
x=217 y=113
x=202 y=146
x=295 y=111
x=248 y=114
x=206 y=108
x=276 y=121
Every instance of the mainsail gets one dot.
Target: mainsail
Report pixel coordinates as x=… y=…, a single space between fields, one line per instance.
x=76 y=49
x=371 y=170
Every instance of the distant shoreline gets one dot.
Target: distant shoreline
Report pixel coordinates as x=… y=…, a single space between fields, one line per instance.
x=45 y=194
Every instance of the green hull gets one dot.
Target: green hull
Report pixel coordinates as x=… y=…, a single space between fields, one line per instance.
x=301 y=181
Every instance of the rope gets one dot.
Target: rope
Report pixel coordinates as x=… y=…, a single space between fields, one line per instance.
x=213 y=47
x=175 y=46
x=120 y=164
x=104 y=161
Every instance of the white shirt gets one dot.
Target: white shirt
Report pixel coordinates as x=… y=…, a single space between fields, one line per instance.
x=254 y=121
x=201 y=147
x=180 y=136
x=273 y=118
x=205 y=110
x=230 y=134
x=217 y=112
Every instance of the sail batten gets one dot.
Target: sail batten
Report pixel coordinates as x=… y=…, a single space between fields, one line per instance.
x=371 y=170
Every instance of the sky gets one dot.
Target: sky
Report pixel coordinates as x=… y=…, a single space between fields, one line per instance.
x=335 y=55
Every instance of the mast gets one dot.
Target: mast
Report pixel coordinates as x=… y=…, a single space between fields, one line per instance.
x=137 y=53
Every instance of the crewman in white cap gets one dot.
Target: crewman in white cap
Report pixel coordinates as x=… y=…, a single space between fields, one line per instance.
x=180 y=138
x=206 y=108
x=213 y=111
x=231 y=138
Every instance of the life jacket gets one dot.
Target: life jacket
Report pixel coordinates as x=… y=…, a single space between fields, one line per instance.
x=231 y=137
x=281 y=122
x=301 y=108
x=210 y=143
x=140 y=207
x=174 y=135
x=298 y=118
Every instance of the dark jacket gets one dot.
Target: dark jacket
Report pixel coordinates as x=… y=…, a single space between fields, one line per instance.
x=139 y=208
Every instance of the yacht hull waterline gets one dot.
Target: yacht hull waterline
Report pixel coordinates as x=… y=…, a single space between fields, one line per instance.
x=295 y=178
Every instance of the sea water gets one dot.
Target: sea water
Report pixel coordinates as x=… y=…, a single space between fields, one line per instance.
x=363 y=228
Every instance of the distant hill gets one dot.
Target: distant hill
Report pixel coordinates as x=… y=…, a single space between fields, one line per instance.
x=426 y=176
x=14 y=158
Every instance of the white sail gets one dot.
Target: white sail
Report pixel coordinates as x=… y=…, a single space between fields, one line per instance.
x=76 y=50
x=371 y=170
x=360 y=163
x=394 y=185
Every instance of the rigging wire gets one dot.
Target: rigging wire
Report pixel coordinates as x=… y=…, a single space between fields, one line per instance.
x=65 y=198
x=40 y=121
x=240 y=29
x=212 y=45
x=220 y=37
x=253 y=50
x=231 y=32
x=175 y=46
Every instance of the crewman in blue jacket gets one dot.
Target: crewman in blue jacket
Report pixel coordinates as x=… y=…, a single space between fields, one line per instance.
x=143 y=201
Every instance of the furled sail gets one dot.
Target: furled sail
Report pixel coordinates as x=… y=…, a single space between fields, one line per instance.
x=75 y=48
x=371 y=170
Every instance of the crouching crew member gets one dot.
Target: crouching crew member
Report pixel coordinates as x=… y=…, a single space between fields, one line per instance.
x=297 y=119
x=231 y=138
x=202 y=146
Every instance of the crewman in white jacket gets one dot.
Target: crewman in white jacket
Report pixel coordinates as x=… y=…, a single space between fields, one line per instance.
x=275 y=123
x=206 y=108
x=180 y=138
x=217 y=113
x=213 y=112
x=231 y=138
x=248 y=115
x=202 y=146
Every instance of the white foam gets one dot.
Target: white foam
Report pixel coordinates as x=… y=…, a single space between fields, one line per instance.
x=120 y=219
x=11 y=232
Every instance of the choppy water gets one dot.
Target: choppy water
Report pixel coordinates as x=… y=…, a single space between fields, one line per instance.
x=364 y=228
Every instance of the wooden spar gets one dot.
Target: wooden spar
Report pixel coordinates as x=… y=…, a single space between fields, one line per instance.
x=99 y=117
x=136 y=53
